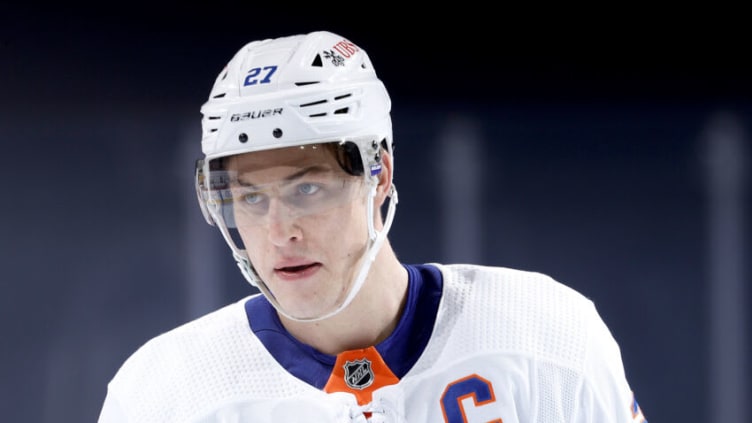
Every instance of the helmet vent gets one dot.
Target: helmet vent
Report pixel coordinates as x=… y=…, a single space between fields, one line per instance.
x=220 y=95
x=318 y=108
x=317 y=62
x=301 y=84
x=314 y=103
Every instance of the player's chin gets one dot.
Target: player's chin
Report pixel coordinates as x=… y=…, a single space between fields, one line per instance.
x=303 y=312
x=306 y=307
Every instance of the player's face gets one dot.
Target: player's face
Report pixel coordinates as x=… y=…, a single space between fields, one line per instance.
x=302 y=220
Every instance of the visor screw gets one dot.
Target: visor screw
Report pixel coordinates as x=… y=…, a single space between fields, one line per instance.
x=243 y=137
x=277 y=133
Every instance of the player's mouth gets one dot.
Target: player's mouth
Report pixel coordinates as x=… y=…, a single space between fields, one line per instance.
x=297 y=271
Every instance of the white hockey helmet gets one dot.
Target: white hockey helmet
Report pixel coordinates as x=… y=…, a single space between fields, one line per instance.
x=295 y=91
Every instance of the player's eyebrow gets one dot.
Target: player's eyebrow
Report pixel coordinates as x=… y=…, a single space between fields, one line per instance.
x=315 y=169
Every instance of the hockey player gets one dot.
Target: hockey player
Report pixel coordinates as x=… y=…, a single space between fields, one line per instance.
x=298 y=178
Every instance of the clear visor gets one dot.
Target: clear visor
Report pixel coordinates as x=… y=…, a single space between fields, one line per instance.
x=243 y=202
x=248 y=191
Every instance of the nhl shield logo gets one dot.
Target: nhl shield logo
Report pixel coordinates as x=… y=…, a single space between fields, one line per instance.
x=358 y=374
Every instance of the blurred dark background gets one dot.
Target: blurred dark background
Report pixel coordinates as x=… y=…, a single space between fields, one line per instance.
x=609 y=150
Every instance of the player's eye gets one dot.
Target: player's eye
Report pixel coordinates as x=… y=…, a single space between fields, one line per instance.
x=308 y=188
x=253 y=198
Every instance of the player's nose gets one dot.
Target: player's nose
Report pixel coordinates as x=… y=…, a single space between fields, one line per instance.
x=281 y=223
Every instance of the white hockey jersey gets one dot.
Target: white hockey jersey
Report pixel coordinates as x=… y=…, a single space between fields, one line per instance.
x=474 y=344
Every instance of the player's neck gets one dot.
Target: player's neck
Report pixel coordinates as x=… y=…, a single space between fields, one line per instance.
x=369 y=319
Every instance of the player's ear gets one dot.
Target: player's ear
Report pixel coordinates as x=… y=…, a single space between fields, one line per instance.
x=385 y=178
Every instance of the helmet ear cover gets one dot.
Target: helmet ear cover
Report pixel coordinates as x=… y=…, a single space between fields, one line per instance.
x=349 y=158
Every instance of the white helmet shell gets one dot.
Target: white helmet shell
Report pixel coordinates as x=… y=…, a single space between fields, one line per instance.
x=295 y=90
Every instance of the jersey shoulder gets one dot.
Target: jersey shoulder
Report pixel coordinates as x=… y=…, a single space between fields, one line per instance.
x=515 y=289
x=190 y=340
x=516 y=311
x=192 y=367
